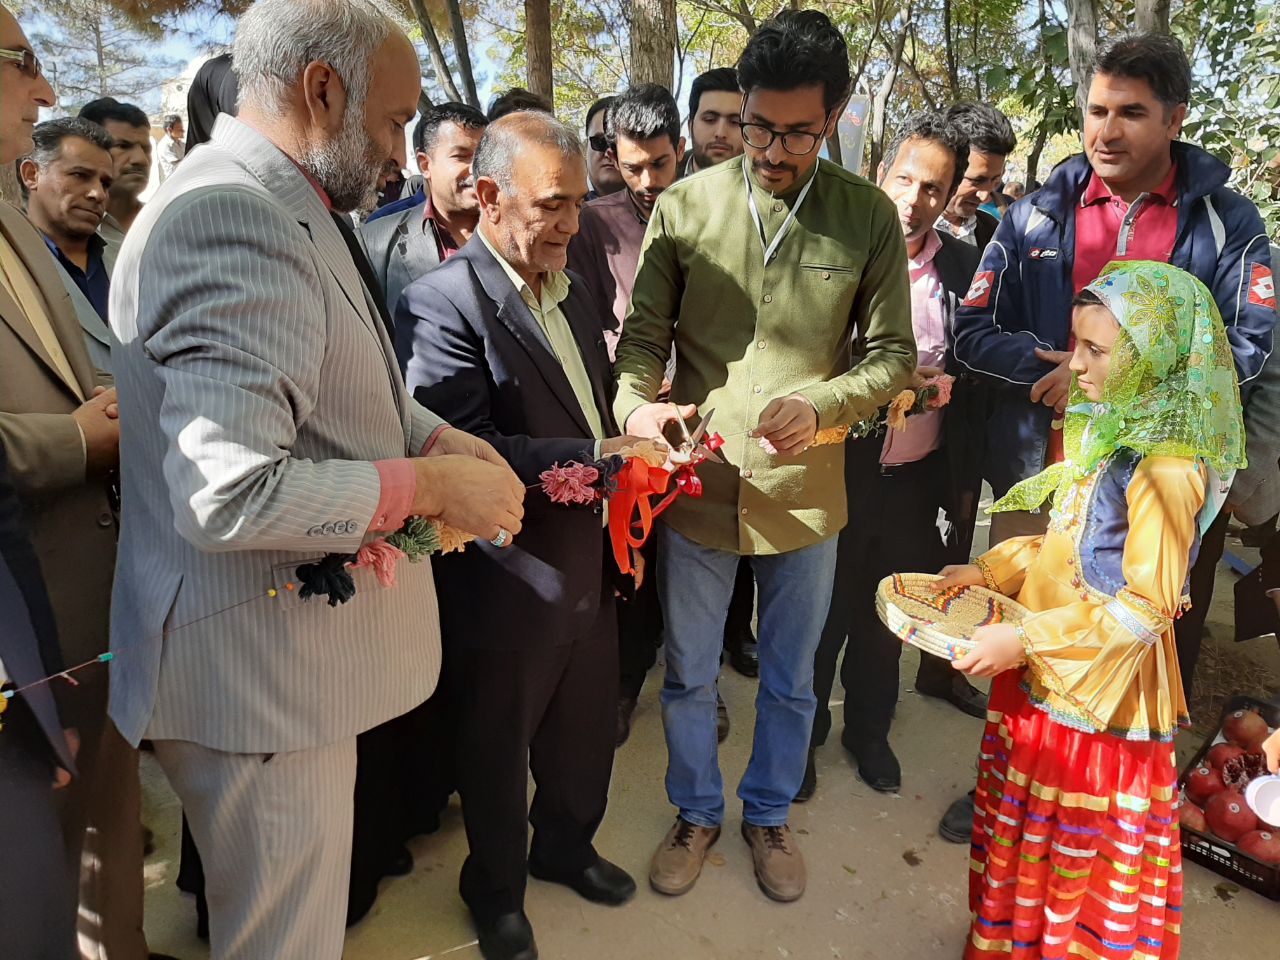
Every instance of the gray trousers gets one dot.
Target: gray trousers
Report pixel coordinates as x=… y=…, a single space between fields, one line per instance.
x=274 y=832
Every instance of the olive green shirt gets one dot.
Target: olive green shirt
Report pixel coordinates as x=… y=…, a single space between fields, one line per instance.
x=745 y=335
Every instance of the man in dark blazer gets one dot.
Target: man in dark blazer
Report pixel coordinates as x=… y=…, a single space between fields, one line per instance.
x=506 y=344
x=404 y=245
x=899 y=481
x=38 y=901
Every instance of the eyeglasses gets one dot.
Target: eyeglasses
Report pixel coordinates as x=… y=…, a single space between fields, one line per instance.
x=26 y=61
x=599 y=142
x=795 y=142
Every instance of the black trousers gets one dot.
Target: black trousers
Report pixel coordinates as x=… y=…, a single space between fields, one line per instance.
x=38 y=886
x=1188 y=629
x=640 y=622
x=640 y=626
x=546 y=709
x=892 y=529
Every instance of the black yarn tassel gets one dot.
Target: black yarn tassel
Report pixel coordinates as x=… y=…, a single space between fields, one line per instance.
x=328 y=578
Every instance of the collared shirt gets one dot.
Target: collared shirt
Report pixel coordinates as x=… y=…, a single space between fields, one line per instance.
x=746 y=334
x=446 y=245
x=94 y=282
x=555 y=325
x=928 y=319
x=18 y=283
x=966 y=231
x=1109 y=229
x=170 y=154
x=605 y=253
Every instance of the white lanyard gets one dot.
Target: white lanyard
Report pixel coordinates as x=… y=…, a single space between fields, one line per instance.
x=771 y=250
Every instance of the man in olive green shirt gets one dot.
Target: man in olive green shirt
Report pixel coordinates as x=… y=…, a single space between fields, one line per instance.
x=762 y=271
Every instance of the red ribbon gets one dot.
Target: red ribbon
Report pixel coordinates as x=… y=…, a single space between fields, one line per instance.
x=637 y=483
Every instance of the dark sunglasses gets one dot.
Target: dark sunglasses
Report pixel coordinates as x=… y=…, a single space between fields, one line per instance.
x=599 y=142
x=26 y=61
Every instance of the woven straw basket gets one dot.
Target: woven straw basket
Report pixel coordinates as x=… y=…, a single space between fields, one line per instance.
x=940 y=623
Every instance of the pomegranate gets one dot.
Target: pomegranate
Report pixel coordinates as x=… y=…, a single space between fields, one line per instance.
x=1220 y=753
x=1202 y=783
x=1238 y=771
x=1229 y=817
x=1245 y=729
x=1262 y=845
x=1189 y=815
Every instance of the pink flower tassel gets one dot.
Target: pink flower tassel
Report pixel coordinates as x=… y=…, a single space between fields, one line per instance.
x=383 y=557
x=571 y=483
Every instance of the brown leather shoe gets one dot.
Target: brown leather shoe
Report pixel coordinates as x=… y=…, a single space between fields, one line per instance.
x=779 y=866
x=678 y=861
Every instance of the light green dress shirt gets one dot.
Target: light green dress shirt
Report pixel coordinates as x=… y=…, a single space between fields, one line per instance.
x=555 y=325
x=746 y=334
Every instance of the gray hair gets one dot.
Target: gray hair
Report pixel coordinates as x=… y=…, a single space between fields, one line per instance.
x=48 y=138
x=276 y=39
x=506 y=137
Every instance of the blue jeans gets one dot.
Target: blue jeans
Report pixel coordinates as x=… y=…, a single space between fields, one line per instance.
x=795 y=593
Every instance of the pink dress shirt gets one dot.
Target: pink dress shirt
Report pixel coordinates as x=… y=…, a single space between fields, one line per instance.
x=929 y=320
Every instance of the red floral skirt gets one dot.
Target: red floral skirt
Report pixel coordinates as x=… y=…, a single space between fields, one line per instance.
x=1075 y=842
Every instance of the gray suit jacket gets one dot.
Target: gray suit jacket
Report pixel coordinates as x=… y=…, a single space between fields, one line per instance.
x=257 y=388
x=97 y=335
x=401 y=248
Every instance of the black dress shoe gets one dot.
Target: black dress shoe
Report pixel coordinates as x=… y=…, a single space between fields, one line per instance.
x=626 y=708
x=361 y=896
x=399 y=864
x=602 y=882
x=958 y=692
x=878 y=768
x=508 y=937
x=722 y=719
x=956 y=824
x=744 y=655
x=809 y=785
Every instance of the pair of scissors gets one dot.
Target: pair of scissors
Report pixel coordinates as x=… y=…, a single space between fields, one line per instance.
x=698 y=444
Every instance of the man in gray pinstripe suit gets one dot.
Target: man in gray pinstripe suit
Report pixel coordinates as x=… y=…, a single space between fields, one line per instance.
x=267 y=426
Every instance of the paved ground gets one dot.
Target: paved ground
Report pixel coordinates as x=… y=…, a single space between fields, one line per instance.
x=882 y=885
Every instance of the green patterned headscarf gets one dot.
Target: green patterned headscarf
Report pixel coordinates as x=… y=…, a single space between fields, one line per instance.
x=1171 y=389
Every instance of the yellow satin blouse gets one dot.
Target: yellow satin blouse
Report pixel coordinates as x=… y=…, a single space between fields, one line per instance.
x=1095 y=661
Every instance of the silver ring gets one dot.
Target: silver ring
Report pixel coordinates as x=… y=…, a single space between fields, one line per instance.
x=502 y=539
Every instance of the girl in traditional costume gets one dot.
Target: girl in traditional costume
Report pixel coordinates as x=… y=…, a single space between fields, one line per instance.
x=1075 y=844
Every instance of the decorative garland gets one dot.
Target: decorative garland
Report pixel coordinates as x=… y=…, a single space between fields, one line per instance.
x=330 y=577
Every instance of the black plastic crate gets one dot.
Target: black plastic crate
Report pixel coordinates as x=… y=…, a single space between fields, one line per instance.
x=1219 y=856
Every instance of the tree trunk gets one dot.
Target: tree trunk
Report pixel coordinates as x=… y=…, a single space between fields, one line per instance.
x=949 y=41
x=1033 y=158
x=537 y=47
x=653 y=41
x=1082 y=44
x=443 y=73
x=1151 y=16
x=880 y=100
x=462 y=51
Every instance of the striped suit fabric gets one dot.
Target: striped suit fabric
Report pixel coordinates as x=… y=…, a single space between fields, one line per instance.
x=257 y=391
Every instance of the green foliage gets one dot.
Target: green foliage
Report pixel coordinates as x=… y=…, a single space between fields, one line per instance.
x=1236 y=105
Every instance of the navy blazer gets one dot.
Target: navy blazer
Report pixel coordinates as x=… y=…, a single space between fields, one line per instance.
x=472 y=352
x=29 y=640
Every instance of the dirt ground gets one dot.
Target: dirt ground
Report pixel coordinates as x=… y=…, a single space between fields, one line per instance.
x=882 y=884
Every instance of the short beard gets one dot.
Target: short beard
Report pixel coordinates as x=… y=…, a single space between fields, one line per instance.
x=348 y=166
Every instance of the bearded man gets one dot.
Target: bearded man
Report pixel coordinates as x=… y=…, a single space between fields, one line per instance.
x=268 y=427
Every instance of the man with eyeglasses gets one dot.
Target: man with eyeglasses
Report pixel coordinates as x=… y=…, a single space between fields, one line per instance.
x=60 y=431
x=760 y=272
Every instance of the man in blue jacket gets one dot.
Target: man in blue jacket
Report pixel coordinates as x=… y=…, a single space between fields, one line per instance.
x=1137 y=193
